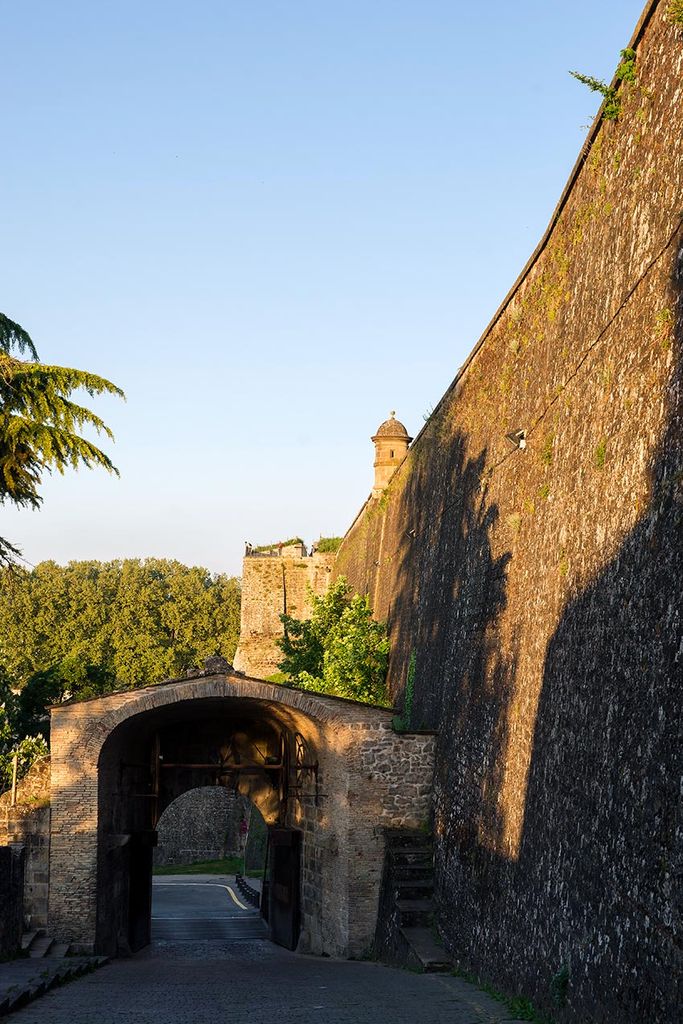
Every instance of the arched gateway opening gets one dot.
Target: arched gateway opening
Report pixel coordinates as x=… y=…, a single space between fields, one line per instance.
x=328 y=775
x=156 y=756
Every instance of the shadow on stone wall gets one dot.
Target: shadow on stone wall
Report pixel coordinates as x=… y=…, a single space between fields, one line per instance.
x=587 y=919
x=450 y=587
x=202 y=824
x=603 y=827
x=465 y=674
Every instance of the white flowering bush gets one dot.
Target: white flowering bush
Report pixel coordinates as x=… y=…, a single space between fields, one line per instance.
x=28 y=749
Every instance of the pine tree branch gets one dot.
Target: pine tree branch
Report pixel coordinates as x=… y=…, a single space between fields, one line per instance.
x=8 y=554
x=12 y=336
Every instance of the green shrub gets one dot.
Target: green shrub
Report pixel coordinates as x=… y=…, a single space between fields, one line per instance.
x=28 y=749
x=341 y=650
x=328 y=545
x=284 y=543
x=675 y=11
x=600 y=454
x=626 y=72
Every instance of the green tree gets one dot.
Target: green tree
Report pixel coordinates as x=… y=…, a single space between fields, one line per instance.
x=341 y=650
x=40 y=424
x=27 y=749
x=62 y=682
x=137 y=621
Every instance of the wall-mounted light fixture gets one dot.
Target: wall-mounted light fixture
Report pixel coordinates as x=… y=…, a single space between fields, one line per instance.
x=517 y=439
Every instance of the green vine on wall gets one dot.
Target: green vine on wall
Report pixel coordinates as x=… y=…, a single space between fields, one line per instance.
x=675 y=11
x=402 y=723
x=626 y=72
x=600 y=454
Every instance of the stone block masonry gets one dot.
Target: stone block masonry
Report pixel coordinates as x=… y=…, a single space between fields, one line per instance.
x=28 y=824
x=271 y=586
x=202 y=824
x=540 y=588
x=366 y=779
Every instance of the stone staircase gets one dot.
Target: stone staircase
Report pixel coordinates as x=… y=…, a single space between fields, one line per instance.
x=43 y=965
x=411 y=937
x=38 y=945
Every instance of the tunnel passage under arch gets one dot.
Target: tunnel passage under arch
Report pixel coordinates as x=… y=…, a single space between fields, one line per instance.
x=331 y=769
x=206 y=824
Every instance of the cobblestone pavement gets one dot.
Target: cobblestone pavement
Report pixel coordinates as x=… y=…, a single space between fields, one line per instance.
x=218 y=982
x=205 y=966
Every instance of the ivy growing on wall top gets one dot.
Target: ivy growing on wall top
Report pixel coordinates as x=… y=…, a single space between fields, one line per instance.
x=675 y=11
x=278 y=544
x=626 y=72
x=328 y=545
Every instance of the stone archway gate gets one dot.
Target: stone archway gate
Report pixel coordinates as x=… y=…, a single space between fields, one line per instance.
x=359 y=778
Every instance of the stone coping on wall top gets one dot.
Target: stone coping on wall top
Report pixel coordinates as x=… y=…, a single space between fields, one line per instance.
x=371 y=711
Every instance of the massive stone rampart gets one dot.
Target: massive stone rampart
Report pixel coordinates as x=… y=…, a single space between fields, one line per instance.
x=540 y=587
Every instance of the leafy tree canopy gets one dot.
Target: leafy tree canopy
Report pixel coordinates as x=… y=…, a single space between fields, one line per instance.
x=54 y=685
x=84 y=629
x=132 y=621
x=341 y=650
x=27 y=749
x=40 y=424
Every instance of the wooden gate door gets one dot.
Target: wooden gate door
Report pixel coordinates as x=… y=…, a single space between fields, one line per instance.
x=284 y=859
x=140 y=889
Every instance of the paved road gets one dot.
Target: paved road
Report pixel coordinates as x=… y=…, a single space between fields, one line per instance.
x=202 y=907
x=191 y=975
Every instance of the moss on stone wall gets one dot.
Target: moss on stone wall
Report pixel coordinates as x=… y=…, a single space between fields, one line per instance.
x=539 y=588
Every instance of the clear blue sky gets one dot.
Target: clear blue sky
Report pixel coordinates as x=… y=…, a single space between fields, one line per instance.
x=270 y=223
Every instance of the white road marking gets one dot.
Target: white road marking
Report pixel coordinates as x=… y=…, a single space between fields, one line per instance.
x=193 y=920
x=215 y=885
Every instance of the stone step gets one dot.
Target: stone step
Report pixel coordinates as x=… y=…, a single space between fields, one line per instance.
x=28 y=938
x=409 y=871
x=41 y=946
x=415 y=888
x=59 y=949
x=29 y=981
x=410 y=840
x=414 y=913
x=411 y=855
x=428 y=950
x=421 y=849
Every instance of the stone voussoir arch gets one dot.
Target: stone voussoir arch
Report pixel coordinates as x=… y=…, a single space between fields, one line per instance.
x=367 y=779
x=327 y=711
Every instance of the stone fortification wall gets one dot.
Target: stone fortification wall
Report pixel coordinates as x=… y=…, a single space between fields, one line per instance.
x=373 y=782
x=272 y=585
x=202 y=824
x=28 y=824
x=540 y=588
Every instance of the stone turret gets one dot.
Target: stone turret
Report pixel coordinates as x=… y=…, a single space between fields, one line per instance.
x=391 y=445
